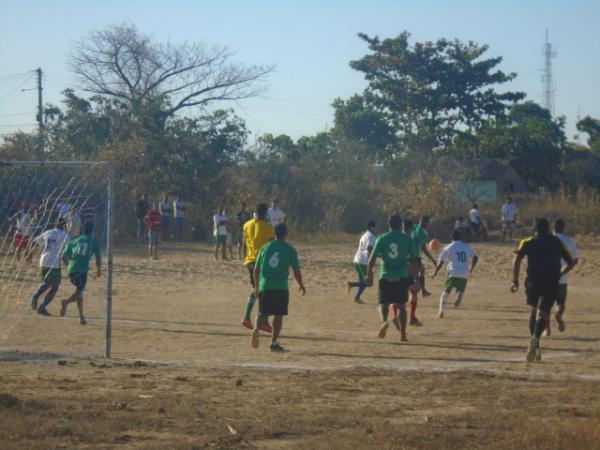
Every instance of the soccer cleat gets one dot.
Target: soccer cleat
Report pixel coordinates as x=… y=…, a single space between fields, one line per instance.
x=547 y=332
x=415 y=322
x=63 y=308
x=538 y=354
x=426 y=293
x=254 y=338
x=34 y=302
x=358 y=300
x=441 y=314
x=383 y=330
x=532 y=350
x=247 y=323
x=277 y=348
x=82 y=320
x=561 y=323
x=396 y=322
x=266 y=328
x=403 y=338
x=43 y=311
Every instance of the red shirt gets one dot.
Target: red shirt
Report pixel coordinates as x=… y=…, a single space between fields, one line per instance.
x=154 y=220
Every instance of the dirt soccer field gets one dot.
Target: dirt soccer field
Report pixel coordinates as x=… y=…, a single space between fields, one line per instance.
x=183 y=374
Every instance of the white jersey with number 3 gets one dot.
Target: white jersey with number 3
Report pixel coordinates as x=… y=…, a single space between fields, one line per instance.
x=459 y=254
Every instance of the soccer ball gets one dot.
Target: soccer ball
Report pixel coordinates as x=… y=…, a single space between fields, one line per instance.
x=435 y=245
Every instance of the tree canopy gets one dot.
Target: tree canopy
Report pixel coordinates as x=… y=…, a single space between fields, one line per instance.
x=431 y=91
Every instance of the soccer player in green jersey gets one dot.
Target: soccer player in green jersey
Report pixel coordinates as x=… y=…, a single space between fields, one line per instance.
x=77 y=254
x=271 y=270
x=399 y=255
x=421 y=237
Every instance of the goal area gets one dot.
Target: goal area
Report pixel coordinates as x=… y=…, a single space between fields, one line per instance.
x=34 y=197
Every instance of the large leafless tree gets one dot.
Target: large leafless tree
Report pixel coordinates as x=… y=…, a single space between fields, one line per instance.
x=125 y=64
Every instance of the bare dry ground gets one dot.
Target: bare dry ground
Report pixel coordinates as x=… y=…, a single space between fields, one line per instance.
x=183 y=374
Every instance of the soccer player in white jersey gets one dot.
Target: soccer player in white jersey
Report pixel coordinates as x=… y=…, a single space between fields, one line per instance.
x=23 y=226
x=561 y=297
x=220 y=222
x=509 y=217
x=458 y=254
x=275 y=215
x=52 y=243
x=361 y=260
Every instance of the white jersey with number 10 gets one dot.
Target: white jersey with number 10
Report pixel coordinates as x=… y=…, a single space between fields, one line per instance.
x=459 y=254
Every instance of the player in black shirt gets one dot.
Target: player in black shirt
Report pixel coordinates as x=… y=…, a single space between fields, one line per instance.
x=141 y=209
x=544 y=252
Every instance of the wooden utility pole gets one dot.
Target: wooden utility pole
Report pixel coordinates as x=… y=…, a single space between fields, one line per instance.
x=40 y=114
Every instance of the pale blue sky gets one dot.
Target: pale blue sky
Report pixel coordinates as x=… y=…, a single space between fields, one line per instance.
x=310 y=42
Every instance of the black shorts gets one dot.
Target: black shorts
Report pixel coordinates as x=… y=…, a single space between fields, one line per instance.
x=561 y=295
x=250 y=268
x=79 y=280
x=541 y=295
x=393 y=290
x=274 y=303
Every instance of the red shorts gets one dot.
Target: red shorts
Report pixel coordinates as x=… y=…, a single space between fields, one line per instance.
x=21 y=241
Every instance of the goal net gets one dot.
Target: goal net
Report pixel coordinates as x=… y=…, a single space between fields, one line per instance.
x=36 y=196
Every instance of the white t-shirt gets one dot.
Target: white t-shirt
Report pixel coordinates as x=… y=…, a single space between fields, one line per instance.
x=220 y=229
x=362 y=254
x=52 y=243
x=165 y=208
x=509 y=212
x=179 y=206
x=475 y=218
x=459 y=254
x=570 y=244
x=24 y=223
x=275 y=216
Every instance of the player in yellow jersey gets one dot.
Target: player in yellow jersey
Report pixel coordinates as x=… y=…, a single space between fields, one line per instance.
x=257 y=232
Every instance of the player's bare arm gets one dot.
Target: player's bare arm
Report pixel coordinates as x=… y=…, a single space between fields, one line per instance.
x=437 y=268
x=516 y=271
x=473 y=264
x=256 y=277
x=298 y=277
x=428 y=254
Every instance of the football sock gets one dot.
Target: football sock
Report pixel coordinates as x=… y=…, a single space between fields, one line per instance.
x=443 y=300
x=250 y=306
x=413 y=308
x=540 y=325
x=361 y=288
x=49 y=296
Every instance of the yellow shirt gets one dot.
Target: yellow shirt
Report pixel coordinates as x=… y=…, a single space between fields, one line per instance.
x=257 y=232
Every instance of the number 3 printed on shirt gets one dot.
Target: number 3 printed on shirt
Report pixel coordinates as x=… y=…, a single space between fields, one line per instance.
x=274 y=260
x=393 y=250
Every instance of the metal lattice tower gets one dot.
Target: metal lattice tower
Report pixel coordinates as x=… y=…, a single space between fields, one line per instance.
x=547 y=78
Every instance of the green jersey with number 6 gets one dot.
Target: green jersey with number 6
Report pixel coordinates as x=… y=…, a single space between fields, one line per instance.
x=394 y=248
x=275 y=260
x=80 y=251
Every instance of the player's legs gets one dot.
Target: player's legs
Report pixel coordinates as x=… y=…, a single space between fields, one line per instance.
x=361 y=270
x=402 y=320
x=444 y=298
x=424 y=291
x=383 y=316
x=561 y=301
x=545 y=296
x=413 y=309
x=49 y=297
x=460 y=284
x=40 y=290
x=247 y=321
x=277 y=325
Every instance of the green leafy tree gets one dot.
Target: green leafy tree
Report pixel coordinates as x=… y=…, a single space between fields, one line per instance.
x=430 y=91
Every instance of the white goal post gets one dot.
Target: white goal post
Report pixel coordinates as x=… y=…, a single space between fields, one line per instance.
x=109 y=168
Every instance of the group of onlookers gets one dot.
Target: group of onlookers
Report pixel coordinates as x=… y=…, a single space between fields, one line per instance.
x=159 y=219
x=476 y=228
